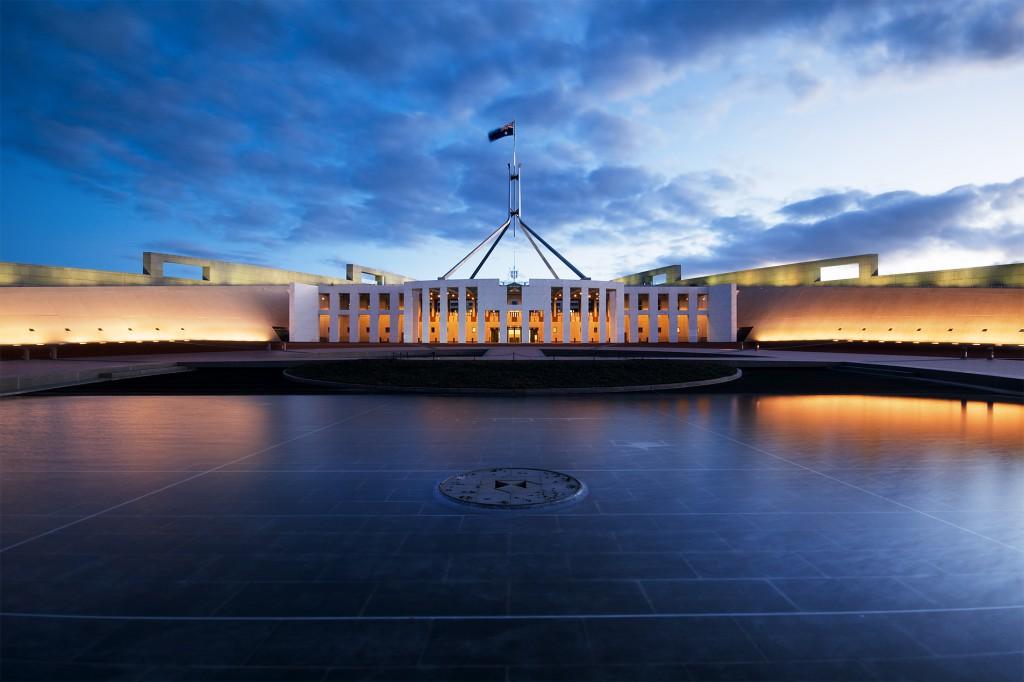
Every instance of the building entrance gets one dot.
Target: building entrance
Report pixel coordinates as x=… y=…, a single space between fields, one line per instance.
x=515 y=334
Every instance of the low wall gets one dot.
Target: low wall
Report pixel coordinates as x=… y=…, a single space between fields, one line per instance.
x=46 y=315
x=926 y=315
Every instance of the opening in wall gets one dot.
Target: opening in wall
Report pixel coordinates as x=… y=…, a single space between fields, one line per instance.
x=834 y=272
x=184 y=271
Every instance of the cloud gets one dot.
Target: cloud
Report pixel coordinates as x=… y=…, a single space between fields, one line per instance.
x=927 y=33
x=986 y=218
x=281 y=125
x=802 y=83
x=823 y=206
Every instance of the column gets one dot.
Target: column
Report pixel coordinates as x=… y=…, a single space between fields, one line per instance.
x=332 y=320
x=691 y=313
x=503 y=323
x=410 y=315
x=602 y=314
x=374 y=317
x=442 y=315
x=353 y=316
x=585 y=314
x=481 y=322
x=395 y=313
x=619 y=312
x=462 y=315
x=566 y=305
x=425 y=306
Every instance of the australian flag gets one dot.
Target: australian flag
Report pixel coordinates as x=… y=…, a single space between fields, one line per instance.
x=503 y=131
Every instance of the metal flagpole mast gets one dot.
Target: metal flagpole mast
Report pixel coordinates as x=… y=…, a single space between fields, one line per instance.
x=519 y=176
x=515 y=217
x=513 y=186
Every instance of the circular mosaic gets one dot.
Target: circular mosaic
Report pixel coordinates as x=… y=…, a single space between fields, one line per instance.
x=511 y=488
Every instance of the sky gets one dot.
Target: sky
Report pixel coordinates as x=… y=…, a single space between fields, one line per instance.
x=717 y=135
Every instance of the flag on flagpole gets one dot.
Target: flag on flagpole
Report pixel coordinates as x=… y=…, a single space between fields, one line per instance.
x=503 y=131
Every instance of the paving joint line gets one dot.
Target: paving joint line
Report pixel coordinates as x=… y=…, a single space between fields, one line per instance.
x=854 y=486
x=186 y=480
x=518 y=617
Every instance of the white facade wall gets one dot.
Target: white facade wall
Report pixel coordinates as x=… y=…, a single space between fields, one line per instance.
x=491 y=295
x=303 y=301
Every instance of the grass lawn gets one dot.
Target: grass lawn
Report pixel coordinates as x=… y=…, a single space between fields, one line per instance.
x=513 y=374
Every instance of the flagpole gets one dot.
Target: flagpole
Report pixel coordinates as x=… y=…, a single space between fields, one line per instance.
x=515 y=210
x=514 y=142
x=519 y=176
x=514 y=189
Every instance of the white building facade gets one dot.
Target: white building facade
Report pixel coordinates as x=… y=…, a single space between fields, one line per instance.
x=489 y=311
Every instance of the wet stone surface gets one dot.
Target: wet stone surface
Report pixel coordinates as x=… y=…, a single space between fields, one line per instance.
x=303 y=537
x=506 y=488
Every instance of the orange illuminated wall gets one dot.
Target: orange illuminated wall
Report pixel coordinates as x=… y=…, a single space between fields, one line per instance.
x=926 y=315
x=46 y=315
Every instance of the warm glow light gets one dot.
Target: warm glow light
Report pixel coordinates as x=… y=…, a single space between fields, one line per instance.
x=938 y=425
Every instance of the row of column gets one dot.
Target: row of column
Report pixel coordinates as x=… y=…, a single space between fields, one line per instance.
x=673 y=324
x=611 y=316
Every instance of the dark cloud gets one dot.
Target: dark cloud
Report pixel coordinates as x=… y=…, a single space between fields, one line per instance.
x=924 y=33
x=626 y=39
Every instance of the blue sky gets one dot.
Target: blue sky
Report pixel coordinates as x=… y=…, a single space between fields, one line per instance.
x=308 y=135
